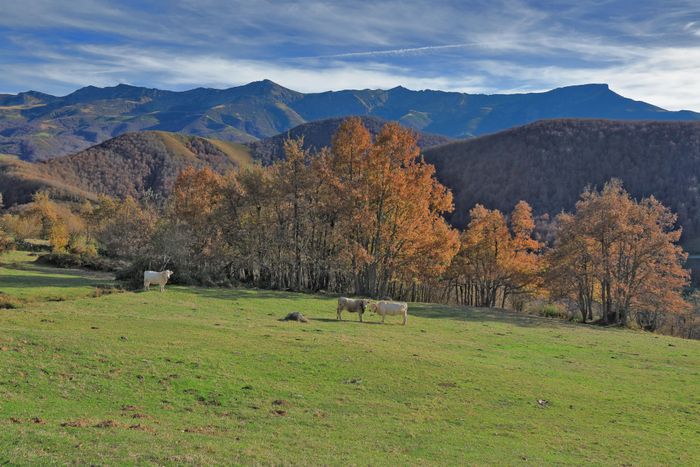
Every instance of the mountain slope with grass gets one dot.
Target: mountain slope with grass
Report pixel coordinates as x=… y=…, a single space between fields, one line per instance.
x=135 y=164
x=211 y=376
x=37 y=126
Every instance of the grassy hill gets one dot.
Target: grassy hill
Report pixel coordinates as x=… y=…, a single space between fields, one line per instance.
x=210 y=376
x=19 y=180
x=131 y=164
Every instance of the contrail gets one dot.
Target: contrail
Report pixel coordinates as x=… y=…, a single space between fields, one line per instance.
x=375 y=53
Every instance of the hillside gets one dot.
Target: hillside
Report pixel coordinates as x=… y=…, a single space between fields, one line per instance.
x=549 y=163
x=319 y=134
x=37 y=126
x=131 y=164
x=210 y=376
x=19 y=180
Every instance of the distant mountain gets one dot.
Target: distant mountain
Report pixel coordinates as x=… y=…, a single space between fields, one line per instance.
x=134 y=164
x=37 y=126
x=549 y=163
x=319 y=134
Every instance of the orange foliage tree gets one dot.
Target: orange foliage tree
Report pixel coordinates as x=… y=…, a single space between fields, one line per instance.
x=495 y=261
x=361 y=216
x=620 y=253
x=391 y=207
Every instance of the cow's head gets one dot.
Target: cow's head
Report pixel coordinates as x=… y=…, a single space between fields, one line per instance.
x=363 y=305
x=168 y=273
x=372 y=306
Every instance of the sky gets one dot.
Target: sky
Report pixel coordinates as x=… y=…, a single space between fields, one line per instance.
x=646 y=50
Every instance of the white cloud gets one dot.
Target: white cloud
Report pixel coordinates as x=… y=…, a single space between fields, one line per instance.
x=647 y=52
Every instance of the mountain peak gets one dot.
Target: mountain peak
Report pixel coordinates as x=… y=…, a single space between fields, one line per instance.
x=588 y=87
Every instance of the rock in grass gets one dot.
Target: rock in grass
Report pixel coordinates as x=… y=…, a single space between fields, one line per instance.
x=295 y=316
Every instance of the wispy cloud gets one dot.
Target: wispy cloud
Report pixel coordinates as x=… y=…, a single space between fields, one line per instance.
x=648 y=51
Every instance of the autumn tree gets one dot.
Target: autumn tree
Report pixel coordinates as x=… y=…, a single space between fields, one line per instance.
x=122 y=228
x=621 y=253
x=495 y=261
x=5 y=240
x=193 y=237
x=392 y=207
x=361 y=216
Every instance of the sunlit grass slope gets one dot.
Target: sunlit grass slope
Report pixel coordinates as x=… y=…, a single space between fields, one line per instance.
x=211 y=376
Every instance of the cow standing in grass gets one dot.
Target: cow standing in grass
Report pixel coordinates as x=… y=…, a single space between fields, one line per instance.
x=384 y=308
x=153 y=277
x=353 y=305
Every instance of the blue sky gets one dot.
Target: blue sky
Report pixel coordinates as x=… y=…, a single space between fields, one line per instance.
x=647 y=50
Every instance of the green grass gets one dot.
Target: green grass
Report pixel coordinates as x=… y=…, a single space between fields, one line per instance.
x=26 y=282
x=192 y=376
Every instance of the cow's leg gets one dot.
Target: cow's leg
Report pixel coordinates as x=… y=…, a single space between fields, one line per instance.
x=162 y=288
x=339 y=311
x=360 y=313
x=145 y=286
x=383 y=318
x=405 y=318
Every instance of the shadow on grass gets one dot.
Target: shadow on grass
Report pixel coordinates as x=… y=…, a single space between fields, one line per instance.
x=27 y=282
x=33 y=267
x=345 y=321
x=480 y=315
x=420 y=310
x=242 y=293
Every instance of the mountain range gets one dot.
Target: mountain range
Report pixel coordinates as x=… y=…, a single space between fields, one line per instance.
x=38 y=126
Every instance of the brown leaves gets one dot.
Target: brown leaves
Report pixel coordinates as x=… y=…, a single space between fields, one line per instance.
x=621 y=253
x=495 y=259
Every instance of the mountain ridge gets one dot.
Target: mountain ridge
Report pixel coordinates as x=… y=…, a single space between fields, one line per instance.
x=38 y=126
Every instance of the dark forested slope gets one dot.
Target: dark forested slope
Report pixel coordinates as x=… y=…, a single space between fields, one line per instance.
x=549 y=163
x=319 y=134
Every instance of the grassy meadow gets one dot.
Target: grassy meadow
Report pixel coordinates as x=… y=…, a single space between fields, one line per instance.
x=209 y=376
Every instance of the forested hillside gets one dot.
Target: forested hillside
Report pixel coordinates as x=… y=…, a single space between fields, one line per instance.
x=549 y=163
x=319 y=134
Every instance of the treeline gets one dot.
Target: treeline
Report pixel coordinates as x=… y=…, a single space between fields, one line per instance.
x=367 y=217
x=363 y=216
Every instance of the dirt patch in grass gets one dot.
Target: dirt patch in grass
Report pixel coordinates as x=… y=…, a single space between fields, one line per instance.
x=80 y=423
x=140 y=427
x=203 y=430
x=107 y=424
x=9 y=303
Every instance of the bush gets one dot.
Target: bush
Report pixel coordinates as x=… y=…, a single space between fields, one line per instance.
x=551 y=310
x=6 y=242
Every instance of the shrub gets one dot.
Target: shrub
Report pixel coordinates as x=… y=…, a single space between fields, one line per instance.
x=6 y=242
x=551 y=310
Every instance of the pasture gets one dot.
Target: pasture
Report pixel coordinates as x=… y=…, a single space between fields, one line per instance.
x=208 y=376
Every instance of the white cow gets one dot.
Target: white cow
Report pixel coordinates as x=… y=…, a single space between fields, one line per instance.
x=353 y=305
x=153 y=277
x=384 y=308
